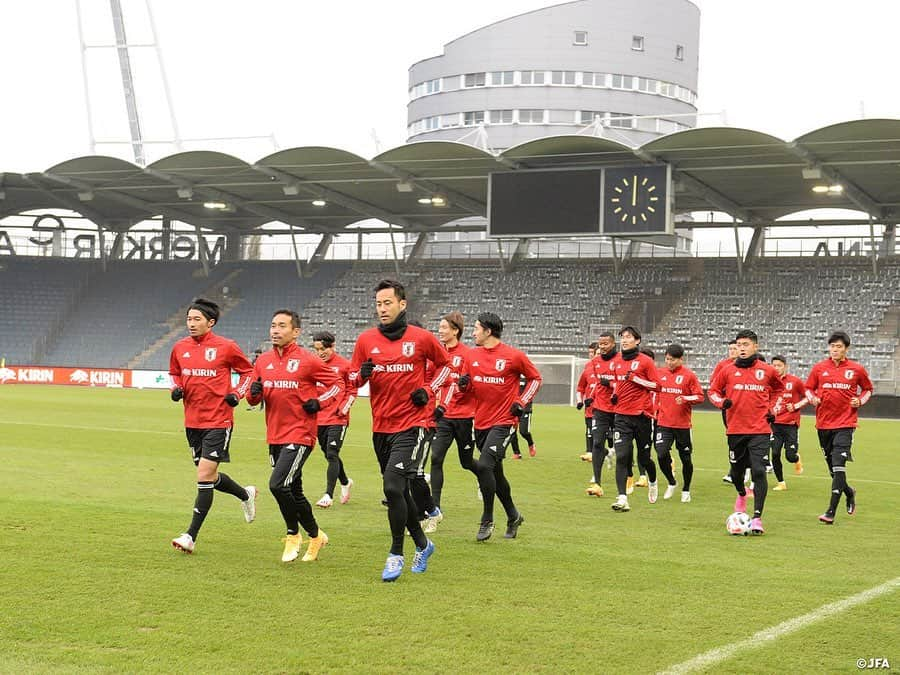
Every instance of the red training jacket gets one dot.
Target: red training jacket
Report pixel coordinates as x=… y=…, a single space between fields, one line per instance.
x=674 y=384
x=835 y=384
x=584 y=387
x=495 y=375
x=755 y=391
x=795 y=394
x=337 y=410
x=456 y=407
x=635 y=382
x=604 y=369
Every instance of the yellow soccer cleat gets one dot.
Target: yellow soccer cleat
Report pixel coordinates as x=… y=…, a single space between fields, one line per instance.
x=629 y=485
x=781 y=487
x=587 y=456
x=315 y=545
x=594 y=490
x=798 y=466
x=641 y=481
x=292 y=543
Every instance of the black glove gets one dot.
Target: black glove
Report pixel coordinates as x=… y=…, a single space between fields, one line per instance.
x=232 y=399
x=614 y=399
x=419 y=397
x=589 y=401
x=312 y=406
x=604 y=382
x=727 y=403
x=516 y=410
x=627 y=376
x=256 y=388
x=579 y=405
x=439 y=412
x=770 y=418
x=177 y=394
x=463 y=382
x=366 y=369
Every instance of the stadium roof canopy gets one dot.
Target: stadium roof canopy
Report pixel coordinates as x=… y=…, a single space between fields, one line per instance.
x=752 y=176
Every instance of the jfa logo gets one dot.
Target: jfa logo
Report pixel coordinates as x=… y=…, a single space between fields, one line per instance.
x=408 y=348
x=679 y=379
x=500 y=364
x=292 y=365
x=456 y=361
x=848 y=374
x=210 y=354
x=635 y=364
x=789 y=386
x=876 y=662
x=760 y=373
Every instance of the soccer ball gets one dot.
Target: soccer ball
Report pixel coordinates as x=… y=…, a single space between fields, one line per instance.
x=738 y=523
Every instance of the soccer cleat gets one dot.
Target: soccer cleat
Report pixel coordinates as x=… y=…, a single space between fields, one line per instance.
x=798 y=466
x=670 y=491
x=610 y=456
x=345 y=491
x=641 y=481
x=431 y=522
x=851 y=502
x=587 y=457
x=512 y=527
x=532 y=450
x=727 y=479
x=770 y=468
x=485 y=530
x=825 y=518
x=740 y=504
x=621 y=504
x=594 y=490
x=685 y=497
x=292 y=543
x=315 y=545
x=629 y=485
x=420 y=559
x=249 y=504
x=517 y=455
x=393 y=567
x=652 y=492
x=185 y=543
x=756 y=526
x=325 y=502
x=781 y=487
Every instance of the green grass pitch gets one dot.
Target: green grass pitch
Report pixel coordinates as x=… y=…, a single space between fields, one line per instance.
x=94 y=483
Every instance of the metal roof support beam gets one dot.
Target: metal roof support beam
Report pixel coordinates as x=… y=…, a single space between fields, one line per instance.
x=459 y=198
x=67 y=202
x=317 y=190
x=757 y=244
x=416 y=251
x=319 y=254
x=888 y=239
x=521 y=252
x=854 y=193
x=737 y=252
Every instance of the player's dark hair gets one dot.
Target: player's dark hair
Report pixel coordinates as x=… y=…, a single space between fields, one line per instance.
x=326 y=338
x=649 y=352
x=456 y=320
x=732 y=341
x=779 y=357
x=839 y=336
x=415 y=322
x=675 y=350
x=207 y=308
x=399 y=290
x=760 y=357
x=492 y=322
x=748 y=334
x=606 y=333
x=594 y=345
x=631 y=329
x=295 y=318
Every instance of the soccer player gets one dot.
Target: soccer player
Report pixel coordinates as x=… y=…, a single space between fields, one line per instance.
x=582 y=389
x=838 y=387
x=454 y=414
x=732 y=355
x=749 y=392
x=200 y=366
x=524 y=427
x=392 y=358
x=679 y=391
x=494 y=369
x=333 y=420
x=635 y=379
x=602 y=409
x=286 y=378
x=785 y=429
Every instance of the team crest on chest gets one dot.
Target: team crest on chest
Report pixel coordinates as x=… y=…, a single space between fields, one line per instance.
x=760 y=373
x=679 y=379
x=848 y=374
x=500 y=364
x=456 y=361
x=292 y=365
x=408 y=348
x=789 y=386
x=635 y=364
x=210 y=354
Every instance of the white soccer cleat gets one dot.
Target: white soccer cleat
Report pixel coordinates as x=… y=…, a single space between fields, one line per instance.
x=325 y=502
x=249 y=504
x=621 y=504
x=345 y=491
x=185 y=543
x=670 y=490
x=685 y=497
x=431 y=522
x=652 y=492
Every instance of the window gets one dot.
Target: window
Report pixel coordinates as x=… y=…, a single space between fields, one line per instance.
x=637 y=43
x=621 y=120
x=451 y=120
x=593 y=79
x=647 y=85
x=580 y=37
x=561 y=116
x=471 y=119
x=432 y=123
x=501 y=116
x=679 y=52
x=531 y=117
x=667 y=89
x=623 y=81
x=502 y=78
x=433 y=86
x=565 y=77
x=474 y=80
x=588 y=116
x=532 y=77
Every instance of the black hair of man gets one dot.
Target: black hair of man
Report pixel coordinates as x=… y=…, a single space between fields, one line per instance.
x=675 y=350
x=399 y=290
x=594 y=345
x=631 y=329
x=780 y=357
x=414 y=322
x=207 y=308
x=326 y=338
x=839 y=336
x=747 y=334
x=607 y=334
x=649 y=352
x=295 y=318
x=491 y=322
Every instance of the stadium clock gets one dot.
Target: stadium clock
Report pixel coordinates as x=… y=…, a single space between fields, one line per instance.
x=635 y=200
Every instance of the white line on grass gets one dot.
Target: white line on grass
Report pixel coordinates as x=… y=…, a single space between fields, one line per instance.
x=719 y=654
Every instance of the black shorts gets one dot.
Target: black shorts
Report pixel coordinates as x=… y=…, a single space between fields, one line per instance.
x=785 y=436
x=494 y=439
x=211 y=444
x=754 y=445
x=331 y=437
x=402 y=452
x=665 y=436
x=636 y=428
x=836 y=442
x=525 y=420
